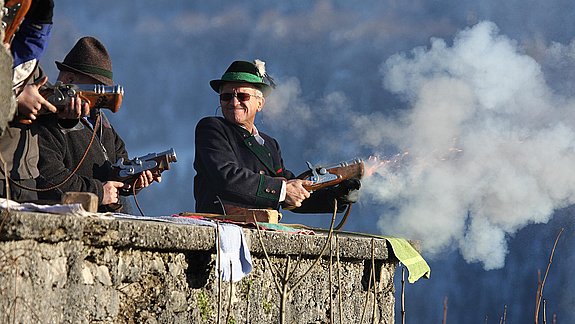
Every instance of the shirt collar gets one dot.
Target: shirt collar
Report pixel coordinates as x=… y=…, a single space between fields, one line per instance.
x=257 y=136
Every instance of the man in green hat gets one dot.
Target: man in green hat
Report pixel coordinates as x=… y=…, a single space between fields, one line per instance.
x=69 y=159
x=239 y=166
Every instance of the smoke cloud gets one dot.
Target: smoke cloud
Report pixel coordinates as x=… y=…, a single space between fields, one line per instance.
x=484 y=149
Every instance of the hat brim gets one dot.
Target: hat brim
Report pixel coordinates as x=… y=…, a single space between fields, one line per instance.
x=65 y=67
x=263 y=87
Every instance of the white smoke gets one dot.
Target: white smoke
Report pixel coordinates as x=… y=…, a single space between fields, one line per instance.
x=488 y=148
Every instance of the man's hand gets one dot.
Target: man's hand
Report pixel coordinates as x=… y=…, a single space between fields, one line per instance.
x=111 y=192
x=146 y=179
x=31 y=102
x=74 y=109
x=296 y=193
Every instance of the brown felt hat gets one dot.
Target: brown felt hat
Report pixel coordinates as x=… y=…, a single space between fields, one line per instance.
x=89 y=57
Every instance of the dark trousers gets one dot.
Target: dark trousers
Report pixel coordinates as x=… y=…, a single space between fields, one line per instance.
x=18 y=193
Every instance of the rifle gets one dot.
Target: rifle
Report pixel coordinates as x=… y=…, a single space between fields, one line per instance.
x=327 y=176
x=14 y=12
x=96 y=95
x=128 y=171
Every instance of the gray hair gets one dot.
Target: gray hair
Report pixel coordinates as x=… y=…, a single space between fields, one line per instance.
x=258 y=92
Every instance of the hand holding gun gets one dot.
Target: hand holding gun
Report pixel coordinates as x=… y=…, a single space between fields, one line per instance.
x=31 y=102
x=340 y=181
x=129 y=172
x=94 y=96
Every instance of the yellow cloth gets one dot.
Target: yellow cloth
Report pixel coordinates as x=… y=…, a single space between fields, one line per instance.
x=402 y=249
x=412 y=260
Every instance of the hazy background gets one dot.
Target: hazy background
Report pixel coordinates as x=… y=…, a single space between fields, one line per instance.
x=469 y=105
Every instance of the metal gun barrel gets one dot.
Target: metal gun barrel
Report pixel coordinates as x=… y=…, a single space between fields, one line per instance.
x=170 y=155
x=100 y=88
x=343 y=164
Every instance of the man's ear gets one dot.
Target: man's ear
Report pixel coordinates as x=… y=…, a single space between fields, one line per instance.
x=262 y=102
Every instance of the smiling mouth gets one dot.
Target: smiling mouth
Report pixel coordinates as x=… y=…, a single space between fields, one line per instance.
x=235 y=108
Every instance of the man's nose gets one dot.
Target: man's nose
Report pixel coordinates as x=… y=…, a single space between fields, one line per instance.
x=235 y=101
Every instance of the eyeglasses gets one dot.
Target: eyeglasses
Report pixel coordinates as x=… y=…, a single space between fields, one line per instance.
x=242 y=96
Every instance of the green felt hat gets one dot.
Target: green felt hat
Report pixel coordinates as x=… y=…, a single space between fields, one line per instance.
x=245 y=72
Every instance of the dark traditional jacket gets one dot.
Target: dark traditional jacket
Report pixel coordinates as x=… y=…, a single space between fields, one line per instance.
x=233 y=168
x=61 y=149
x=19 y=147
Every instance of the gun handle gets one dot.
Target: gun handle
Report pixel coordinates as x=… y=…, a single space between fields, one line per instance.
x=326 y=184
x=112 y=101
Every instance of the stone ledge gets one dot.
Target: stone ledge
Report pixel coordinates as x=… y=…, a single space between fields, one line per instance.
x=72 y=269
x=149 y=235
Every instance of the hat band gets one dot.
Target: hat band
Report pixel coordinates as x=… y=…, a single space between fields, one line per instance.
x=92 y=69
x=241 y=76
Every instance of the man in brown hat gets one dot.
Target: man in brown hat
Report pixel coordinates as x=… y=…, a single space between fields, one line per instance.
x=77 y=154
x=239 y=166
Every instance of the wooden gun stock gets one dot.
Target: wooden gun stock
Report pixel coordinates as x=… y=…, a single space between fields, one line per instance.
x=14 y=12
x=323 y=177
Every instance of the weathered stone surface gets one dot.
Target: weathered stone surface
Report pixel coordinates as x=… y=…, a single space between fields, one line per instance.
x=71 y=269
x=7 y=99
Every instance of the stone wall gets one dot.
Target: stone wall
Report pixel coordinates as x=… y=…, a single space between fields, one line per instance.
x=77 y=269
x=7 y=100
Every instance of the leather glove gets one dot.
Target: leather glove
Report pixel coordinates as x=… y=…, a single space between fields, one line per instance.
x=41 y=11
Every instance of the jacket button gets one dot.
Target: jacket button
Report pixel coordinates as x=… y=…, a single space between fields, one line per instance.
x=268 y=190
x=273 y=192
x=262 y=172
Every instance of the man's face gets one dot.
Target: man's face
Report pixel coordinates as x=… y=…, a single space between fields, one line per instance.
x=76 y=78
x=235 y=105
x=76 y=108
